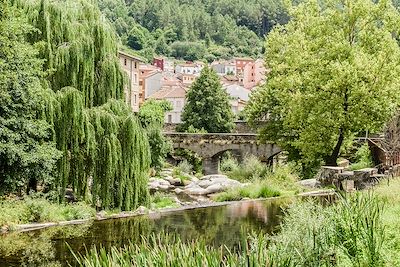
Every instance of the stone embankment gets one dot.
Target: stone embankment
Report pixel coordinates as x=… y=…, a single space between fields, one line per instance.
x=344 y=179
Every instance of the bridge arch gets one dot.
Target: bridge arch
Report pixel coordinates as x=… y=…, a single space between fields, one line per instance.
x=211 y=146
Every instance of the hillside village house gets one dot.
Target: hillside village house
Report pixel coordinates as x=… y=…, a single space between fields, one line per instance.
x=189 y=68
x=253 y=74
x=175 y=93
x=130 y=64
x=224 y=67
x=239 y=96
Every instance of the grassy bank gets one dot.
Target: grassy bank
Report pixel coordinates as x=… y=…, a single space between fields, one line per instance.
x=389 y=193
x=38 y=210
x=261 y=180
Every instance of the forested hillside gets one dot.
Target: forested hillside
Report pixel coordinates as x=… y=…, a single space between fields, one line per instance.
x=191 y=30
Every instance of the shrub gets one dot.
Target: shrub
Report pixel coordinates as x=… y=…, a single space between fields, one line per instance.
x=32 y=210
x=363 y=158
x=161 y=200
x=258 y=189
x=183 y=167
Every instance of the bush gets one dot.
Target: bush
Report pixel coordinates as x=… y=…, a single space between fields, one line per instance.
x=34 y=210
x=363 y=158
x=258 y=189
x=185 y=167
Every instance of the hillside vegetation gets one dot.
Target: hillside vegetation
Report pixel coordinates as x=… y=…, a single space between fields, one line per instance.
x=192 y=30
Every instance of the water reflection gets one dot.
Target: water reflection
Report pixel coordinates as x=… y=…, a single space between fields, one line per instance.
x=223 y=225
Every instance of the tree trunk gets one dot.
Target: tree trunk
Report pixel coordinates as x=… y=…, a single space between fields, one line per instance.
x=332 y=159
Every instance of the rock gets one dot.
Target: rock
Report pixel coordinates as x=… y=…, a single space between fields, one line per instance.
x=142 y=210
x=211 y=184
x=101 y=215
x=178 y=191
x=213 y=176
x=160 y=184
x=310 y=183
x=195 y=190
x=173 y=181
x=345 y=163
x=204 y=183
x=215 y=188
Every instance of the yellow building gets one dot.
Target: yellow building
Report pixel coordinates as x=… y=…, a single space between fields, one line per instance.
x=130 y=64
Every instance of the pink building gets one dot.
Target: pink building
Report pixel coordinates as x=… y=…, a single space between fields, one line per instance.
x=253 y=74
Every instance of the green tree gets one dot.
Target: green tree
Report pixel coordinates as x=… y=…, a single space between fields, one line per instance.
x=207 y=105
x=27 y=153
x=334 y=74
x=152 y=115
x=105 y=151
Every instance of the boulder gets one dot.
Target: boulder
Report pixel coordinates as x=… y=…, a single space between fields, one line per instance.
x=215 y=188
x=195 y=191
x=310 y=183
x=159 y=184
x=178 y=190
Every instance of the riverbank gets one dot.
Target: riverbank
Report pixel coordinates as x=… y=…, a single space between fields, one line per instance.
x=22 y=227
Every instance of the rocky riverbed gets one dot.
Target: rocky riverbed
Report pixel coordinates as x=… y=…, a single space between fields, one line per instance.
x=188 y=188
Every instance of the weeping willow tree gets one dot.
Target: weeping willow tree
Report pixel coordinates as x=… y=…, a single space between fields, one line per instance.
x=79 y=46
x=105 y=152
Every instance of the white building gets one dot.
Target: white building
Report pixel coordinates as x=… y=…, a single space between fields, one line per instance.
x=189 y=68
x=224 y=67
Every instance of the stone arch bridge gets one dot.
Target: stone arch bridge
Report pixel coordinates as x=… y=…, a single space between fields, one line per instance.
x=211 y=146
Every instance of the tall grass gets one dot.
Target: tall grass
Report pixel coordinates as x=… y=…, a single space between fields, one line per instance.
x=33 y=210
x=347 y=233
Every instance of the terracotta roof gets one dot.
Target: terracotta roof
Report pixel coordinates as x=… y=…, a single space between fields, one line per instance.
x=151 y=73
x=175 y=91
x=148 y=67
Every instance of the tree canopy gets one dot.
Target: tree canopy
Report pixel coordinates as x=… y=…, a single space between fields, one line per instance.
x=334 y=74
x=222 y=28
x=26 y=148
x=207 y=105
x=152 y=115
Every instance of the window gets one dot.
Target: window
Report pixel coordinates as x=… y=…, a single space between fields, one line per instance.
x=135 y=99
x=135 y=65
x=169 y=118
x=125 y=62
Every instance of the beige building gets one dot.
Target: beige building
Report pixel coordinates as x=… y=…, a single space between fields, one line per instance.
x=130 y=64
x=175 y=94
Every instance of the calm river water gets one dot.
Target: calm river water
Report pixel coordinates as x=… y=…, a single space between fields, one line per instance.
x=218 y=225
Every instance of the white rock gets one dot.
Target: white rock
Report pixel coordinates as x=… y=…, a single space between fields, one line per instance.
x=178 y=190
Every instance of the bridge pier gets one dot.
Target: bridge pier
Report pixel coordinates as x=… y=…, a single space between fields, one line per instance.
x=211 y=165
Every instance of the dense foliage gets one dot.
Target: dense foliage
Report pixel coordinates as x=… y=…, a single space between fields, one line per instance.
x=152 y=115
x=105 y=152
x=26 y=148
x=207 y=105
x=334 y=74
x=196 y=29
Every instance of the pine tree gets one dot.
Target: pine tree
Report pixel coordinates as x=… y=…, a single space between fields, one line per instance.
x=207 y=105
